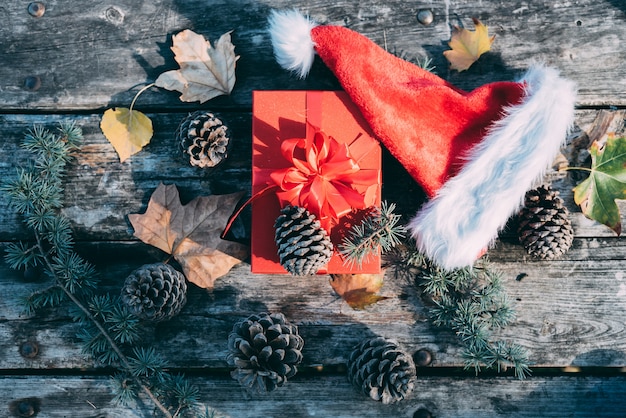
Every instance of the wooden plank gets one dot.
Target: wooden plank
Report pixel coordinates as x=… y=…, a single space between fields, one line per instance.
x=570 y=312
x=92 y=55
x=104 y=191
x=333 y=396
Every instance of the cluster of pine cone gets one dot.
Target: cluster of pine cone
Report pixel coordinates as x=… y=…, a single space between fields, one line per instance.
x=266 y=350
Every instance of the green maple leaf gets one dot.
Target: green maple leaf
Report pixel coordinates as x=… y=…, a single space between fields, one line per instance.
x=606 y=182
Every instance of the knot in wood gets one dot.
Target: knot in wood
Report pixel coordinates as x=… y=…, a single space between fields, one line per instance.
x=114 y=15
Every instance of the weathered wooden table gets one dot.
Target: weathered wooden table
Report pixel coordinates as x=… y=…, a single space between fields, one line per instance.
x=79 y=58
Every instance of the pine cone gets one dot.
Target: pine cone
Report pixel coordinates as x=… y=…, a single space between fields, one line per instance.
x=155 y=292
x=382 y=370
x=266 y=349
x=303 y=245
x=544 y=228
x=204 y=139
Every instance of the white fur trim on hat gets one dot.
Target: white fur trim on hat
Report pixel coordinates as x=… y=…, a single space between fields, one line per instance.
x=466 y=214
x=290 y=33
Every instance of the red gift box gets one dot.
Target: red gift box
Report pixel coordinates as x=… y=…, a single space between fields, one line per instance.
x=285 y=120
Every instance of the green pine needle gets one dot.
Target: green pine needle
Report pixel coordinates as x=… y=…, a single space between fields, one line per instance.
x=20 y=255
x=145 y=362
x=471 y=302
x=101 y=306
x=185 y=394
x=379 y=231
x=123 y=325
x=124 y=389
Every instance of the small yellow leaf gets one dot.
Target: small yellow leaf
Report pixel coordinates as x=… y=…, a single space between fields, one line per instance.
x=468 y=46
x=127 y=130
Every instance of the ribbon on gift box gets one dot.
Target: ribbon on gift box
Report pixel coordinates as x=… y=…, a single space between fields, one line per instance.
x=323 y=177
x=321 y=174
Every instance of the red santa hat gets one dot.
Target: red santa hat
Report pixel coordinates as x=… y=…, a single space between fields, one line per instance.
x=474 y=153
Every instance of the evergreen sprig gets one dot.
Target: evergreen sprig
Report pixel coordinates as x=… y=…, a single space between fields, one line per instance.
x=425 y=63
x=108 y=330
x=379 y=230
x=472 y=302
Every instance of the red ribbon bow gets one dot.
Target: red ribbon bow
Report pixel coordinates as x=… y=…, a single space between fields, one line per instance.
x=323 y=177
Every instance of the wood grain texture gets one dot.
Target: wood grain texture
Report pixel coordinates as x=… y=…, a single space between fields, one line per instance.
x=569 y=312
x=104 y=191
x=332 y=396
x=93 y=54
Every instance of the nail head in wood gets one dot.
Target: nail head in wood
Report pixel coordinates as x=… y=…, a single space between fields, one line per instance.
x=25 y=407
x=29 y=349
x=32 y=83
x=422 y=357
x=36 y=9
x=425 y=17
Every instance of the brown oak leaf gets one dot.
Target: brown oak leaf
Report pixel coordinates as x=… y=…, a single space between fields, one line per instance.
x=205 y=71
x=191 y=233
x=358 y=290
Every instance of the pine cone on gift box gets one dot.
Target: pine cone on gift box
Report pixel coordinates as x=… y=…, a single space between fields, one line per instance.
x=266 y=349
x=303 y=245
x=204 y=139
x=155 y=292
x=544 y=227
x=382 y=370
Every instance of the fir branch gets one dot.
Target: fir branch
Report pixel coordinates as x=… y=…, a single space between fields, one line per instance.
x=471 y=302
x=107 y=326
x=378 y=231
x=103 y=332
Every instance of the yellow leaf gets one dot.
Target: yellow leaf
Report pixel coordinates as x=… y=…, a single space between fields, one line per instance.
x=358 y=290
x=468 y=46
x=205 y=71
x=127 y=130
x=191 y=233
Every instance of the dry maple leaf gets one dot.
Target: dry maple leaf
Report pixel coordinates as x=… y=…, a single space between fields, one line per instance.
x=127 y=130
x=358 y=290
x=468 y=46
x=205 y=72
x=191 y=233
